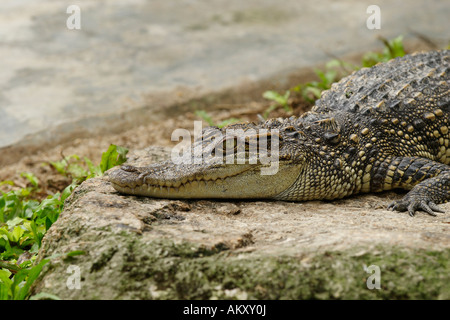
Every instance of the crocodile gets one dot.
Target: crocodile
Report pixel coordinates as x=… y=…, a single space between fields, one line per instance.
x=380 y=128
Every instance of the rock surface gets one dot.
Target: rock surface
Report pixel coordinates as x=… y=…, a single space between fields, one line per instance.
x=143 y=248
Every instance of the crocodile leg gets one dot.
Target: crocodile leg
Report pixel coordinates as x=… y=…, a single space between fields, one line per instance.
x=427 y=180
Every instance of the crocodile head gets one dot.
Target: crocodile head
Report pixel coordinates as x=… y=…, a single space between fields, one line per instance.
x=234 y=165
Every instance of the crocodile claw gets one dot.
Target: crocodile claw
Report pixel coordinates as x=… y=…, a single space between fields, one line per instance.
x=413 y=203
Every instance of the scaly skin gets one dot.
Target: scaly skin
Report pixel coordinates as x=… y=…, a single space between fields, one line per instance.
x=378 y=129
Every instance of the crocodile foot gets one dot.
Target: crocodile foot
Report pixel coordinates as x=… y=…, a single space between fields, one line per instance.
x=414 y=202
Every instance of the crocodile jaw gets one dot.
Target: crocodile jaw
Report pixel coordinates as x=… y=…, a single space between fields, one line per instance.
x=241 y=181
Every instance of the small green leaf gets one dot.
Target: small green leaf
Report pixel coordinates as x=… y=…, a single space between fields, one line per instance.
x=7 y=182
x=269 y=110
x=275 y=96
x=315 y=91
x=122 y=151
x=112 y=157
x=68 y=191
x=9 y=266
x=60 y=166
x=333 y=63
x=205 y=116
x=395 y=47
x=281 y=100
x=330 y=76
x=31 y=177
x=48 y=223
x=17 y=234
x=5 y=285
x=321 y=75
x=227 y=122
x=14 y=222
x=17 y=281
x=32 y=273
x=77 y=171
x=94 y=171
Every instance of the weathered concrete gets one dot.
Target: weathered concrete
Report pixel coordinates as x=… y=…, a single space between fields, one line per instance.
x=129 y=55
x=143 y=248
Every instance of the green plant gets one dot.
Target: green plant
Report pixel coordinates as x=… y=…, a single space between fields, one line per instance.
x=16 y=280
x=81 y=169
x=18 y=288
x=392 y=49
x=25 y=220
x=334 y=71
x=23 y=223
x=207 y=118
x=280 y=101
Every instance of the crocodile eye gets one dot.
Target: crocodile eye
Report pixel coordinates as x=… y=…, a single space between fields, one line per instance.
x=230 y=144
